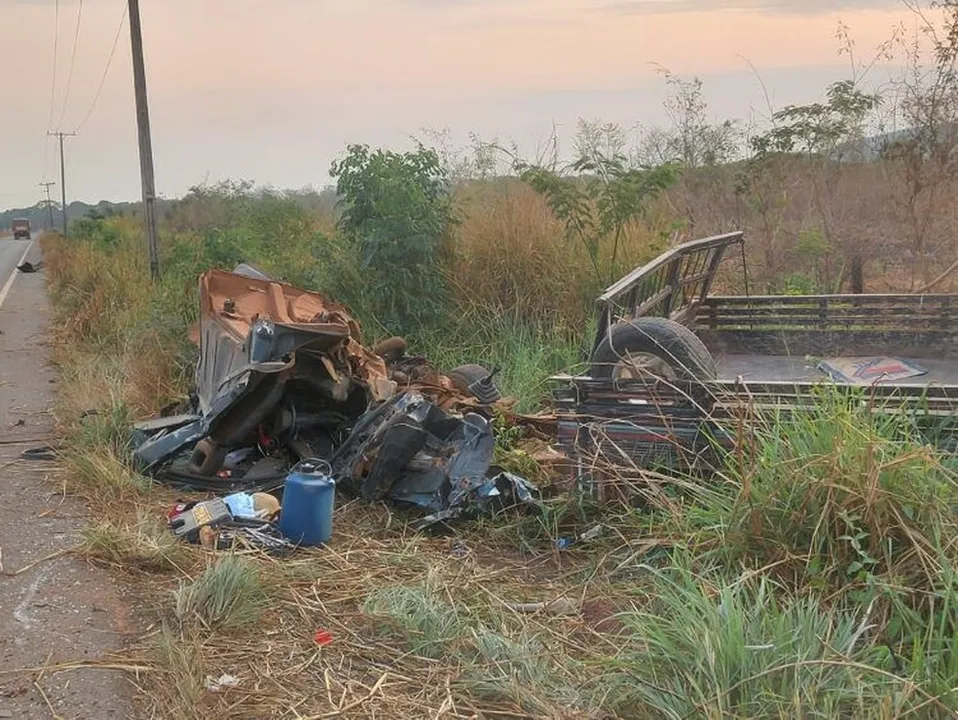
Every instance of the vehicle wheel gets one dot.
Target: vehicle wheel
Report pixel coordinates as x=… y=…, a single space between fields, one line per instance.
x=652 y=347
x=207 y=458
x=474 y=380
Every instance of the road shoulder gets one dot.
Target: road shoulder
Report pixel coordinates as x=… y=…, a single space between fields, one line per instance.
x=56 y=610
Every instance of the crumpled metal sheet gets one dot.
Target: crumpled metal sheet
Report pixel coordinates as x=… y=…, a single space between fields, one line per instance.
x=412 y=452
x=247 y=322
x=252 y=331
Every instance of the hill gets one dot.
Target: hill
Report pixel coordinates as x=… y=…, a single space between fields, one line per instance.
x=39 y=216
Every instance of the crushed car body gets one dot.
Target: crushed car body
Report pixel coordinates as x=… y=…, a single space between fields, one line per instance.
x=413 y=452
x=276 y=362
x=282 y=376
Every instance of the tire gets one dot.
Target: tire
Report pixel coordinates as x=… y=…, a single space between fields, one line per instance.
x=679 y=352
x=473 y=380
x=207 y=458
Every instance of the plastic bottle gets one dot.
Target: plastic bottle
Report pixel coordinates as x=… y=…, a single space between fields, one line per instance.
x=309 y=496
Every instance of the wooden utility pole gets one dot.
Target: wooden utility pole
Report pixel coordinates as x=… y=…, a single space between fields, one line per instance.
x=46 y=186
x=63 y=182
x=143 y=132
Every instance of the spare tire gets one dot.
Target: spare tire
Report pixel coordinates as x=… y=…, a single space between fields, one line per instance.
x=475 y=380
x=652 y=346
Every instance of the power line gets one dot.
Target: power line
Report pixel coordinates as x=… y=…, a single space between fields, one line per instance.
x=106 y=70
x=53 y=84
x=56 y=42
x=73 y=59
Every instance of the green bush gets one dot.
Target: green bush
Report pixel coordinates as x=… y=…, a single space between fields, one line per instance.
x=397 y=214
x=96 y=229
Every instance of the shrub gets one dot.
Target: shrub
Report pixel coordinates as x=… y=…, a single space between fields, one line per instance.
x=229 y=594
x=397 y=213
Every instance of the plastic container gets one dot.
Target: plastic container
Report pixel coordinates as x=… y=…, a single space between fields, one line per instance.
x=309 y=496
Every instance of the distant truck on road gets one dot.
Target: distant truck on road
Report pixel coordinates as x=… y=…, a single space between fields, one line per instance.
x=21 y=229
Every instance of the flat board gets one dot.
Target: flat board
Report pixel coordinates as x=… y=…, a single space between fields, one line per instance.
x=869 y=370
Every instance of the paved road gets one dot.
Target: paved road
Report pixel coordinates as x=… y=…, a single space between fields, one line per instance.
x=11 y=253
x=57 y=610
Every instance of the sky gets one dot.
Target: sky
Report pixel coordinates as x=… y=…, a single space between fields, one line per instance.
x=274 y=90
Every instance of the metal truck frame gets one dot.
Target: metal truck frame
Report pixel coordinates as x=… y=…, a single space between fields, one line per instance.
x=675 y=369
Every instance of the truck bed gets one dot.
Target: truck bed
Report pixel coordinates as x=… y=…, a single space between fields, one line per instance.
x=769 y=368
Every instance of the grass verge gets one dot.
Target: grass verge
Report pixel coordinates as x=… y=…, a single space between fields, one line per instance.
x=814 y=578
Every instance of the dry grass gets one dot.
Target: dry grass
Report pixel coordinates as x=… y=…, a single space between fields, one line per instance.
x=515 y=258
x=421 y=627
x=102 y=477
x=145 y=545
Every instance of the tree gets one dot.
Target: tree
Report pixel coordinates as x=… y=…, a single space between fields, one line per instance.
x=921 y=158
x=825 y=135
x=702 y=148
x=599 y=194
x=396 y=214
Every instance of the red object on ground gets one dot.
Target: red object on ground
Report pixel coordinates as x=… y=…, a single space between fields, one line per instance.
x=323 y=637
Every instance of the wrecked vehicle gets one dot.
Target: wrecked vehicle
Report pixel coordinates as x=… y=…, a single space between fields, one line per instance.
x=277 y=365
x=674 y=368
x=414 y=453
x=282 y=376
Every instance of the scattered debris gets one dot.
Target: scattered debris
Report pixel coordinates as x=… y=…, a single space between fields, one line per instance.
x=592 y=533
x=29 y=267
x=476 y=381
x=282 y=378
x=214 y=525
x=560 y=606
x=223 y=681
x=323 y=637
x=44 y=452
x=414 y=453
x=869 y=370
x=258 y=506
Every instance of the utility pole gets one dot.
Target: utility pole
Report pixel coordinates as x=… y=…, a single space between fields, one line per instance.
x=143 y=132
x=46 y=186
x=63 y=182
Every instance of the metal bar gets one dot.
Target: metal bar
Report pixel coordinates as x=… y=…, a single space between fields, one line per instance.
x=686 y=248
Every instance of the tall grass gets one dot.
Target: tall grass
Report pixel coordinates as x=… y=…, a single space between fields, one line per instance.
x=146 y=545
x=711 y=645
x=837 y=493
x=817 y=579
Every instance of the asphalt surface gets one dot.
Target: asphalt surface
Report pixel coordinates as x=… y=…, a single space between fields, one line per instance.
x=11 y=252
x=59 y=616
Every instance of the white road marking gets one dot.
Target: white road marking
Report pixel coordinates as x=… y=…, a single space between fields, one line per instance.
x=22 y=612
x=13 y=276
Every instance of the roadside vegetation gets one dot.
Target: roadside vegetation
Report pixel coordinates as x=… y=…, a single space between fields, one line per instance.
x=814 y=577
